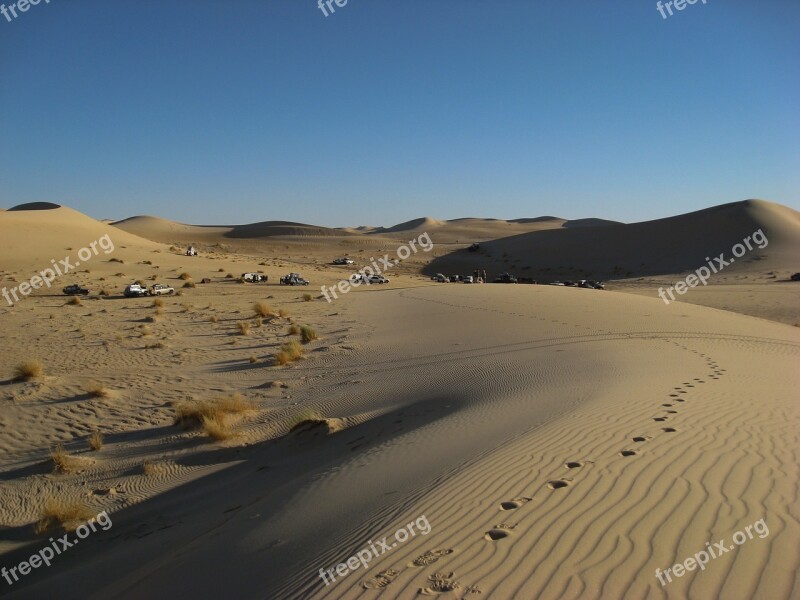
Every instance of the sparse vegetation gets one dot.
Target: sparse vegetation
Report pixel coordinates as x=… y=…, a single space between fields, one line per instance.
x=262 y=309
x=75 y=301
x=308 y=297
x=306 y=417
x=28 y=370
x=158 y=303
x=244 y=327
x=96 y=441
x=213 y=318
x=156 y=468
x=253 y=360
x=289 y=352
x=294 y=329
x=211 y=415
x=68 y=514
x=307 y=334
x=189 y=284
x=98 y=390
x=184 y=276
x=283 y=314
x=63 y=462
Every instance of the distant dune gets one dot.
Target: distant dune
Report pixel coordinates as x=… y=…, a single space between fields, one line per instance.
x=671 y=245
x=33 y=234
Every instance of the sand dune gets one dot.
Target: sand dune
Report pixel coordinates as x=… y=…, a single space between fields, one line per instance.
x=664 y=246
x=561 y=442
x=474 y=417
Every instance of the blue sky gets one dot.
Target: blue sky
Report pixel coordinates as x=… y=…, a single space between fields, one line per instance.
x=249 y=110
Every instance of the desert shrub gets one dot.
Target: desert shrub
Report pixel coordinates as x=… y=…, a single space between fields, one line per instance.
x=184 y=276
x=158 y=303
x=75 y=301
x=96 y=441
x=191 y=413
x=294 y=329
x=253 y=360
x=244 y=327
x=289 y=352
x=30 y=369
x=68 y=514
x=308 y=297
x=213 y=318
x=307 y=334
x=63 y=462
x=216 y=429
x=189 y=284
x=262 y=309
x=98 y=390
x=283 y=314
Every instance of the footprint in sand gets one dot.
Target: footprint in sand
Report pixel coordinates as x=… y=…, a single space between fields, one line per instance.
x=659 y=419
x=440 y=583
x=498 y=532
x=381 y=580
x=514 y=504
x=627 y=453
x=668 y=429
x=575 y=464
x=557 y=484
x=430 y=557
x=641 y=438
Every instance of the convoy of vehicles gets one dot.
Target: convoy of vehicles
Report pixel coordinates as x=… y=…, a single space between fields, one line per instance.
x=135 y=290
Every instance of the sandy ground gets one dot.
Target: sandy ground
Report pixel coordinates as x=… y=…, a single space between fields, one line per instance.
x=559 y=442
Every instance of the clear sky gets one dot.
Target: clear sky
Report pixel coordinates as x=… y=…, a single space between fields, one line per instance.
x=237 y=111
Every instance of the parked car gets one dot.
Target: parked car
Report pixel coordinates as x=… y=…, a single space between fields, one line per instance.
x=527 y=280
x=468 y=279
x=795 y=277
x=474 y=247
x=557 y=283
x=343 y=261
x=440 y=278
x=75 y=290
x=293 y=279
x=161 y=289
x=505 y=278
x=591 y=284
x=455 y=278
x=570 y=284
x=253 y=277
x=377 y=279
x=135 y=290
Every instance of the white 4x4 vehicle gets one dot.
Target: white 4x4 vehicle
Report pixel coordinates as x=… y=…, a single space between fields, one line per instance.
x=160 y=289
x=135 y=290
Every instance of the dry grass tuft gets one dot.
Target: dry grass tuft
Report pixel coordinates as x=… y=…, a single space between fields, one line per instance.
x=307 y=334
x=294 y=329
x=216 y=429
x=253 y=360
x=74 y=301
x=213 y=318
x=96 y=441
x=158 y=303
x=184 y=276
x=98 y=390
x=68 y=514
x=283 y=314
x=63 y=462
x=28 y=370
x=189 y=284
x=308 y=297
x=211 y=415
x=244 y=327
x=262 y=309
x=289 y=352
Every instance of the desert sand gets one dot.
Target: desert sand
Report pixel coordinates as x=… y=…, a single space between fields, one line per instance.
x=560 y=442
